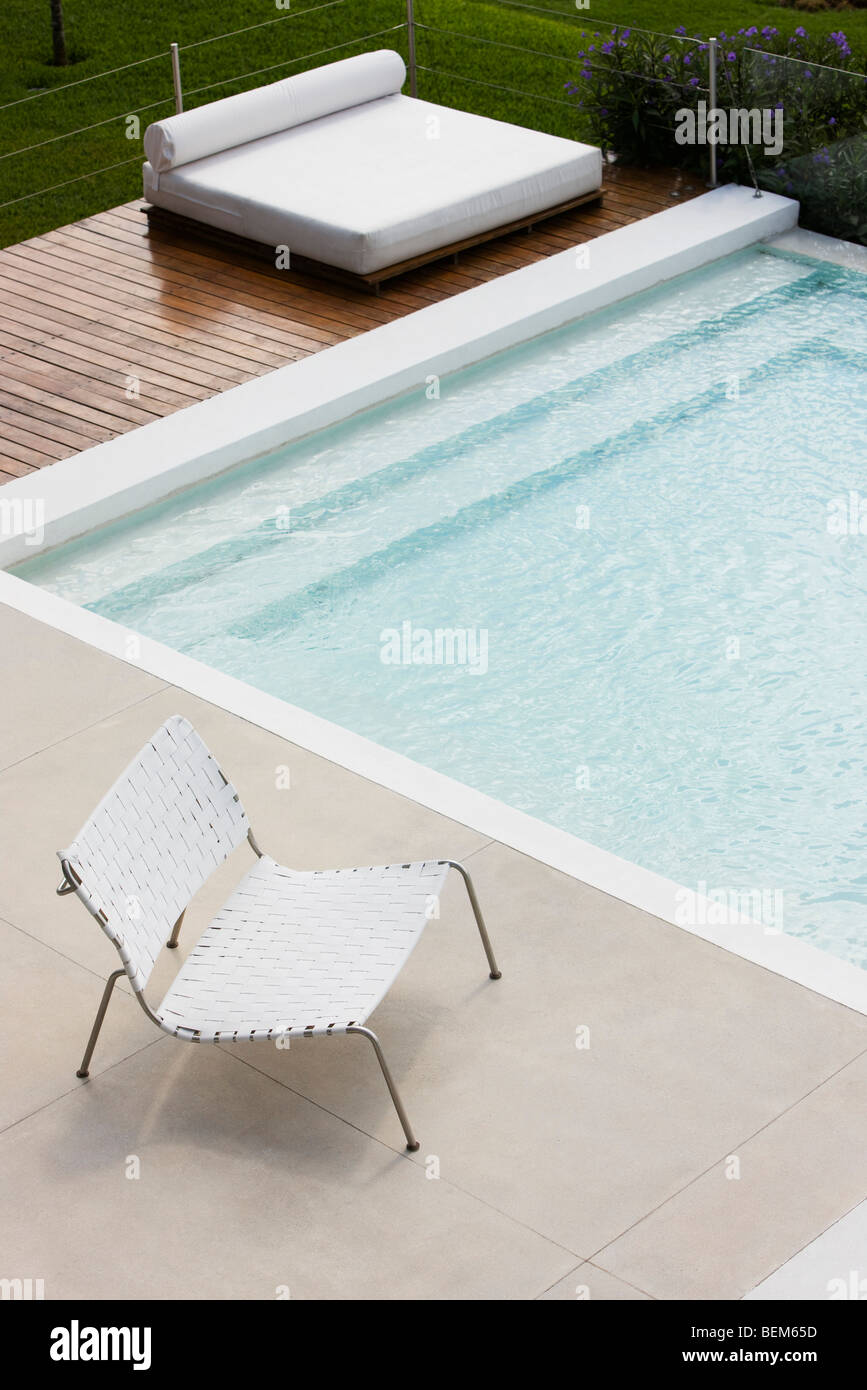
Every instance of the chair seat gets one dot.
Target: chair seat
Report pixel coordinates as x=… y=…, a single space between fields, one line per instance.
x=306 y=953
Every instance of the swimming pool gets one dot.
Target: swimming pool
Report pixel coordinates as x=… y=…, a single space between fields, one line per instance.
x=638 y=541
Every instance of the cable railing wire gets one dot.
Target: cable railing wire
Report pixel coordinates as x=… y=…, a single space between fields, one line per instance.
x=109 y=72
x=25 y=149
x=94 y=173
x=155 y=57
x=606 y=23
x=513 y=91
x=264 y=24
x=242 y=77
x=496 y=43
x=558 y=57
x=805 y=62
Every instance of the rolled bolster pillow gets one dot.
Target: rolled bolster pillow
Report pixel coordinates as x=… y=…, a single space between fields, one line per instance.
x=221 y=125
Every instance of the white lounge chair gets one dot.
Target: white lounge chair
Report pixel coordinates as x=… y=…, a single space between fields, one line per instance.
x=289 y=954
x=358 y=181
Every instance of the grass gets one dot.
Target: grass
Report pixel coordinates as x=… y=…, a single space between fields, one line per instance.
x=711 y=16
x=104 y=35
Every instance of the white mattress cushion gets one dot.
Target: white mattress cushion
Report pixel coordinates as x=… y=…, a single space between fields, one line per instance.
x=222 y=125
x=370 y=187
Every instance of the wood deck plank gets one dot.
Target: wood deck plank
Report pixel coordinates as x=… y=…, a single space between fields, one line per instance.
x=86 y=306
x=48 y=280
x=53 y=433
x=10 y=469
x=190 y=299
x=224 y=363
x=48 y=450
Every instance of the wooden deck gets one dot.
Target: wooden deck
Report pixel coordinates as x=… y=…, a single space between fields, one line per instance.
x=104 y=327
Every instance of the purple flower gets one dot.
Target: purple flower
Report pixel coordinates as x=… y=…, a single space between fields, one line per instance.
x=801 y=32
x=751 y=31
x=693 y=82
x=833 y=120
x=687 y=58
x=608 y=47
x=839 y=38
x=666 y=58
x=732 y=57
x=769 y=31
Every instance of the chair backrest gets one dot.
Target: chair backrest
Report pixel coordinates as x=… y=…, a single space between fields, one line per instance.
x=168 y=822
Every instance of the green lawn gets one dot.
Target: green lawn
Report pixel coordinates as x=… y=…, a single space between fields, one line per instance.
x=103 y=34
x=714 y=16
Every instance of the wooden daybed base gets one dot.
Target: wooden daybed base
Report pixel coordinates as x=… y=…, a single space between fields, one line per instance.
x=189 y=227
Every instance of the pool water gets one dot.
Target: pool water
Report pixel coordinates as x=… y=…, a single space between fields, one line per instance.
x=642 y=533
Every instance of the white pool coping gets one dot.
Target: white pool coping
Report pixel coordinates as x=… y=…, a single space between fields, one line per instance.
x=833 y=1267
x=148 y=464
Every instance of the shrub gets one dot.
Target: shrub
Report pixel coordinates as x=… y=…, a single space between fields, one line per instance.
x=631 y=85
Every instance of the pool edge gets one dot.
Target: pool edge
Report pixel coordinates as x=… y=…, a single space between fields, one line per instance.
x=795 y=960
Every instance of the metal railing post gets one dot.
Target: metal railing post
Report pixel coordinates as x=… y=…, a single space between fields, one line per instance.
x=712 y=76
x=410 y=28
x=176 y=79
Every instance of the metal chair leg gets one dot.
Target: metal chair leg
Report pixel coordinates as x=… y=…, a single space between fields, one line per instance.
x=411 y=1141
x=83 y=1070
x=176 y=931
x=496 y=974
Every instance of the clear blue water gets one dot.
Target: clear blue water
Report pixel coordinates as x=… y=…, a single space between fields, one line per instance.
x=676 y=645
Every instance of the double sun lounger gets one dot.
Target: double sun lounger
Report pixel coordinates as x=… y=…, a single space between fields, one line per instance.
x=338 y=171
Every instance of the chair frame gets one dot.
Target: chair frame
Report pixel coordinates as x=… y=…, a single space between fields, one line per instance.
x=72 y=885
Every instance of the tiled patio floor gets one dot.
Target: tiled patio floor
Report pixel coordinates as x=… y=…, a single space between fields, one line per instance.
x=557 y=1167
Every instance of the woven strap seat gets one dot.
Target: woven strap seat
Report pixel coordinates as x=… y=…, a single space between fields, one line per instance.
x=289 y=953
x=301 y=952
